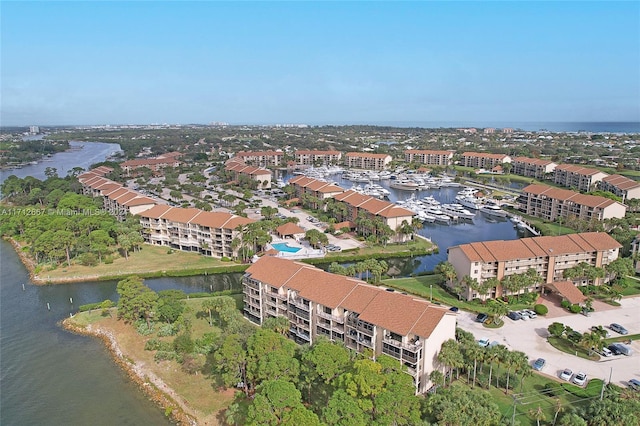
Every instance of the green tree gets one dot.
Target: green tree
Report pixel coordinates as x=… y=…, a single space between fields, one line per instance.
x=270 y=356
x=556 y=329
x=278 y=402
x=230 y=361
x=343 y=410
x=137 y=301
x=170 y=305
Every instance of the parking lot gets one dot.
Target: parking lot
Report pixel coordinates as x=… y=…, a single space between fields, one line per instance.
x=530 y=337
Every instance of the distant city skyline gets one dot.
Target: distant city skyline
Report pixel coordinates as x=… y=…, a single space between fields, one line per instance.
x=90 y=63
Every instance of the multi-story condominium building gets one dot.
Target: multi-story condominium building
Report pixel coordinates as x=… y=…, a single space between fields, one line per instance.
x=314 y=187
x=366 y=161
x=552 y=203
x=621 y=186
x=391 y=214
x=578 y=177
x=349 y=311
x=155 y=164
x=532 y=167
x=489 y=131
x=549 y=256
x=208 y=233
x=314 y=158
x=262 y=158
x=117 y=200
x=260 y=175
x=483 y=160
x=430 y=157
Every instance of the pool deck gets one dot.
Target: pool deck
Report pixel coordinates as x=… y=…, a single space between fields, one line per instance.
x=305 y=251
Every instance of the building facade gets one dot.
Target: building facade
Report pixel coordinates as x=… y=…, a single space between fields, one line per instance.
x=551 y=203
x=366 y=161
x=349 y=311
x=316 y=188
x=317 y=158
x=260 y=175
x=483 y=160
x=578 y=177
x=262 y=158
x=156 y=164
x=429 y=157
x=548 y=256
x=621 y=186
x=532 y=167
x=193 y=230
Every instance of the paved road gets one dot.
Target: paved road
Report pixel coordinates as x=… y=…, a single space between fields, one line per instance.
x=530 y=338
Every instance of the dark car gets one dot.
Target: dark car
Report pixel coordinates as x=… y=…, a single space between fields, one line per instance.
x=634 y=384
x=482 y=318
x=615 y=349
x=514 y=315
x=454 y=309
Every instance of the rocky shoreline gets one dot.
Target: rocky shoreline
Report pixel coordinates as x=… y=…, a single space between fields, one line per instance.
x=155 y=389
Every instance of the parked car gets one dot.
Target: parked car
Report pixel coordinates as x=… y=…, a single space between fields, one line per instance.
x=621 y=349
x=580 y=379
x=482 y=318
x=606 y=352
x=531 y=314
x=523 y=315
x=539 y=364
x=566 y=374
x=514 y=315
x=484 y=342
x=454 y=309
x=618 y=328
x=614 y=349
x=634 y=384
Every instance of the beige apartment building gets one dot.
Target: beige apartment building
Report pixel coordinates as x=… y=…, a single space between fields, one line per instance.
x=262 y=158
x=391 y=214
x=429 y=157
x=194 y=230
x=578 y=177
x=549 y=256
x=260 y=175
x=117 y=200
x=314 y=187
x=367 y=161
x=349 y=311
x=483 y=160
x=155 y=164
x=536 y=168
x=313 y=158
x=551 y=203
x=621 y=186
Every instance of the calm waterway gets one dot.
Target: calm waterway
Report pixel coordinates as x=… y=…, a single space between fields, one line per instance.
x=49 y=376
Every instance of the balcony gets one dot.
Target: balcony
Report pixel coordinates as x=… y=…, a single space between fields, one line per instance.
x=325 y=315
x=299 y=303
x=413 y=347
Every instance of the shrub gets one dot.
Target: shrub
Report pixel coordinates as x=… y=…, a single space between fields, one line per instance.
x=167 y=330
x=541 y=309
x=574 y=309
x=143 y=329
x=565 y=304
x=183 y=343
x=89 y=306
x=158 y=345
x=108 y=260
x=88 y=259
x=164 y=356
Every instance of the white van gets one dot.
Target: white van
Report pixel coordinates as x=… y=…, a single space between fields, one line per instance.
x=606 y=352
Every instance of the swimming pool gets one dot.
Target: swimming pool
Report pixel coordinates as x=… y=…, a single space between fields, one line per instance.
x=285 y=247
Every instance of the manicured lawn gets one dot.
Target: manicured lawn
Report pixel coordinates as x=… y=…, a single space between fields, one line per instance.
x=546 y=228
x=568 y=347
x=149 y=260
x=631 y=286
x=427 y=286
x=621 y=338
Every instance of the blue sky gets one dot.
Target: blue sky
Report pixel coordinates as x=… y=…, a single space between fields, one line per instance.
x=318 y=62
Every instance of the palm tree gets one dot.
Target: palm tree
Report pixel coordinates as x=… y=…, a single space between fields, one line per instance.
x=557 y=405
x=492 y=354
x=591 y=341
x=537 y=414
x=447 y=270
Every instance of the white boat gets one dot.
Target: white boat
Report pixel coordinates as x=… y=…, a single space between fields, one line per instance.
x=457 y=210
x=404 y=185
x=468 y=202
x=493 y=210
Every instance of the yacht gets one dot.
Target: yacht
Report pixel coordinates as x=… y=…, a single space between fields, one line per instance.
x=468 y=202
x=493 y=210
x=404 y=185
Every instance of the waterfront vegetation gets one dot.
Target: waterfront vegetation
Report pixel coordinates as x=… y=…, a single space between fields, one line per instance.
x=226 y=370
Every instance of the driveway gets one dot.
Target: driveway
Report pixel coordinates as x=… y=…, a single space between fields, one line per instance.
x=530 y=337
